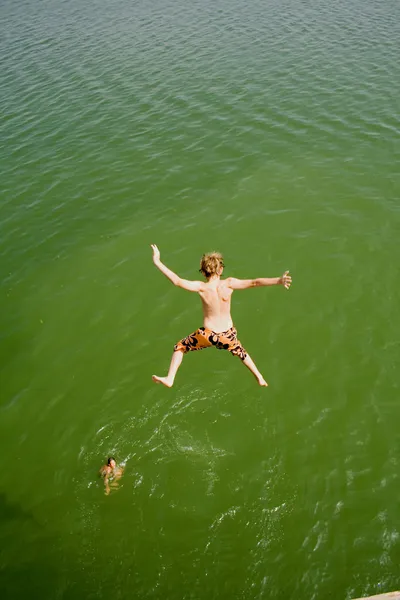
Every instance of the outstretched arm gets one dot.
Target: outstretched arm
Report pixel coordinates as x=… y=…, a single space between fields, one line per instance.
x=244 y=284
x=191 y=286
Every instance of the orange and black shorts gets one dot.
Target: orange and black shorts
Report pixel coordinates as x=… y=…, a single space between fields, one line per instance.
x=206 y=338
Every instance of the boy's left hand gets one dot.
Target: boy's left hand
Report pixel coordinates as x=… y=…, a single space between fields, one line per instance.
x=156 y=253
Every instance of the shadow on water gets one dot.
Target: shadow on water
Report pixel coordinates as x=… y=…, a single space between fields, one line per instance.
x=22 y=538
x=11 y=511
x=43 y=570
x=35 y=562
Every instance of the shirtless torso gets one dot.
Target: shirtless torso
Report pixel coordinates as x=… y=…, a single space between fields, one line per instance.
x=215 y=294
x=216 y=300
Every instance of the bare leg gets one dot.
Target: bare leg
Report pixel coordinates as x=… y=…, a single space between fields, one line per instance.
x=252 y=367
x=176 y=360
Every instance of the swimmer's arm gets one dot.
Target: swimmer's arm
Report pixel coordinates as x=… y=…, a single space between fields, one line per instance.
x=244 y=284
x=190 y=286
x=105 y=474
x=118 y=474
x=106 y=484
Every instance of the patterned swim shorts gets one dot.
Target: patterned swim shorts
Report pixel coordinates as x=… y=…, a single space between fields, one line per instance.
x=205 y=338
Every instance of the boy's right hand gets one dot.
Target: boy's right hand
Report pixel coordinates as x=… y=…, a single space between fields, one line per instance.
x=286 y=280
x=156 y=253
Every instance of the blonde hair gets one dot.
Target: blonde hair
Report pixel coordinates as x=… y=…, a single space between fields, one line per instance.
x=211 y=263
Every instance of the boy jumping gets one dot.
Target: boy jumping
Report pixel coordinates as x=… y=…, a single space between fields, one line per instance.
x=215 y=294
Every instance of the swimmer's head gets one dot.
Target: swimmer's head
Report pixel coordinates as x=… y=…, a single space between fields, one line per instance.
x=211 y=264
x=111 y=462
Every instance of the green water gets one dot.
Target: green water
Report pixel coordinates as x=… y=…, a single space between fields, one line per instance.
x=268 y=131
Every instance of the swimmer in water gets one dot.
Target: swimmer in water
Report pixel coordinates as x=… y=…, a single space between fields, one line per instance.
x=111 y=474
x=218 y=329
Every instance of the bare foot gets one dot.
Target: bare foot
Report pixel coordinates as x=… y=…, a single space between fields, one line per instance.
x=164 y=380
x=262 y=382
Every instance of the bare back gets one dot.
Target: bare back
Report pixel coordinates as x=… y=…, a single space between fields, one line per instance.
x=216 y=299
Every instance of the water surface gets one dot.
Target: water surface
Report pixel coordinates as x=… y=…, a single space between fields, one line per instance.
x=268 y=131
